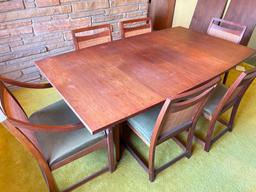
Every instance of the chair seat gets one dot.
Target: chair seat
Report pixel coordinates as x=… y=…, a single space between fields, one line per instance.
x=59 y=145
x=251 y=60
x=144 y=123
x=214 y=100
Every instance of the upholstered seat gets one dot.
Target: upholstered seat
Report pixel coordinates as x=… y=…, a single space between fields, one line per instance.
x=144 y=123
x=57 y=146
x=214 y=100
x=166 y=121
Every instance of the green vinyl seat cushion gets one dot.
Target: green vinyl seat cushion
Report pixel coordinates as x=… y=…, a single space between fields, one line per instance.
x=144 y=123
x=56 y=146
x=251 y=60
x=214 y=100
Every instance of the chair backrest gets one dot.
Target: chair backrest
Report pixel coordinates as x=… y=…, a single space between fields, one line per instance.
x=13 y=110
x=243 y=12
x=237 y=89
x=227 y=30
x=135 y=27
x=204 y=12
x=2 y=114
x=91 y=36
x=183 y=111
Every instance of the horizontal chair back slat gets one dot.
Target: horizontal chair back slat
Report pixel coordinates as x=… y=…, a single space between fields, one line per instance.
x=184 y=110
x=227 y=30
x=130 y=28
x=239 y=87
x=13 y=110
x=91 y=36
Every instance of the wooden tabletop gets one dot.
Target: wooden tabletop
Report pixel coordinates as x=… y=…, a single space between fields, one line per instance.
x=109 y=83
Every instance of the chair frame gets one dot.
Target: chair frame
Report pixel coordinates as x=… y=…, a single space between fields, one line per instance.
x=200 y=94
x=242 y=32
x=14 y=126
x=223 y=106
x=125 y=29
x=222 y=21
x=105 y=33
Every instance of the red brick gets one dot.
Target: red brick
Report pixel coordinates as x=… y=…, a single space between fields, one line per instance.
x=4 y=49
x=90 y=5
x=30 y=13
x=43 y=29
x=45 y=3
x=15 y=24
x=16 y=31
x=11 y=5
x=29 y=4
x=123 y=2
x=20 y=54
x=60 y=25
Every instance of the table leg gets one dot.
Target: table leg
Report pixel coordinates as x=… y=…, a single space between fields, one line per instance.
x=225 y=77
x=117 y=142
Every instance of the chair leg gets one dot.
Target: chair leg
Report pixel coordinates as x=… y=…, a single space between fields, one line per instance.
x=208 y=140
x=152 y=176
x=111 y=158
x=190 y=142
x=151 y=163
x=49 y=179
x=151 y=170
x=232 y=117
x=116 y=133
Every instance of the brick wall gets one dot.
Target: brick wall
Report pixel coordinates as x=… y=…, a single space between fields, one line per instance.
x=31 y=30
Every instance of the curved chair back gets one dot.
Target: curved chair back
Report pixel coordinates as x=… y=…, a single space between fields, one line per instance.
x=182 y=112
x=237 y=90
x=16 y=122
x=91 y=36
x=135 y=27
x=13 y=111
x=227 y=30
x=2 y=114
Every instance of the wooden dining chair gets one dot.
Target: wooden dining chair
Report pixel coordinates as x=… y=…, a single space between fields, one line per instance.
x=221 y=101
x=166 y=121
x=54 y=135
x=226 y=30
x=91 y=36
x=130 y=28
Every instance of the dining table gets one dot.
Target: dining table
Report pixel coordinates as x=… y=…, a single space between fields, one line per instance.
x=107 y=84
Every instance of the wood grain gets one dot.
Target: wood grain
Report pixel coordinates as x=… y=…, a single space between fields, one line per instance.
x=177 y=115
x=19 y=126
x=108 y=83
x=161 y=12
x=134 y=27
x=91 y=36
x=227 y=30
x=231 y=99
x=243 y=12
x=205 y=11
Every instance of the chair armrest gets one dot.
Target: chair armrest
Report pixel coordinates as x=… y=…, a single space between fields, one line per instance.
x=46 y=128
x=25 y=85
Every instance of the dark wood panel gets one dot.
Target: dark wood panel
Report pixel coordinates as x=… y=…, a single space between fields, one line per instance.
x=205 y=11
x=108 y=83
x=161 y=12
x=243 y=12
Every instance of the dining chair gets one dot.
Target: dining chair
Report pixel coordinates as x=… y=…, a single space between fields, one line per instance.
x=221 y=101
x=91 y=36
x=53 y=135
x=133 y=27
x=166 y=121
x=226 y=30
